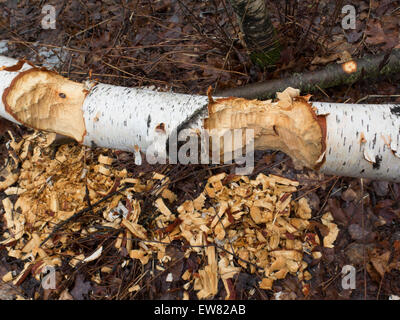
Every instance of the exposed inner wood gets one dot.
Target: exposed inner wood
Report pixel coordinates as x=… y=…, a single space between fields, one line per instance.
x=289 y=125
x=44 y=100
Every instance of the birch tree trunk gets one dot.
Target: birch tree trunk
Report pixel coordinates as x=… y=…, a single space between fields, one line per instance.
x=259 y=33
x=340 y=139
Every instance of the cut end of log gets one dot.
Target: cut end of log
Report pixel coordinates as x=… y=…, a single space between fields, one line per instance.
x=290 y=124
x=349 y=66
x=44 y=100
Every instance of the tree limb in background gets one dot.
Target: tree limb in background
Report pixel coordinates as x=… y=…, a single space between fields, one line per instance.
x=368 y=67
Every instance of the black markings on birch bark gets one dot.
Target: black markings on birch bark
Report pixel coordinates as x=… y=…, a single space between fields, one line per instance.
x=377 y=164
x=374 y=129
x=93 y=144
x=395 y=110
x=135 y=114
x=160 y=127
x=192 y=120
x=148 y=123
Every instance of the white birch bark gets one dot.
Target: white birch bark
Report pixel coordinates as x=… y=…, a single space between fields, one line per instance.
x=129 y=117
x=5 y=81
x=360 y=140
x=123 y=118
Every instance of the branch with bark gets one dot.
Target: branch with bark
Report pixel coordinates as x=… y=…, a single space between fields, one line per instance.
x=367 y=67
x=341 y=139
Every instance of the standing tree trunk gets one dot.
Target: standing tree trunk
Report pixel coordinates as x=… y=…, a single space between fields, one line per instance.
x=346 y=140
x=259 y=33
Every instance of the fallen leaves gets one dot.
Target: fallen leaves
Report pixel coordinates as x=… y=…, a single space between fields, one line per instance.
x=376 y=34
x=80 y=289
x=340 y=57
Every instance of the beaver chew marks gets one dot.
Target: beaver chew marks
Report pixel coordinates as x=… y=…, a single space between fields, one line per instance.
x=289 y=125
x=46 y=101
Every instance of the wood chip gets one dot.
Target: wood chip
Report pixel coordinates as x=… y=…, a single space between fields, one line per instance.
x=105 y=160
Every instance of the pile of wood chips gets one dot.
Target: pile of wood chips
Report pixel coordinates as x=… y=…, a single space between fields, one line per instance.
x=257 y=220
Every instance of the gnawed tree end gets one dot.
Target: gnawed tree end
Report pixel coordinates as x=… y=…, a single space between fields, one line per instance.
x=289 y=125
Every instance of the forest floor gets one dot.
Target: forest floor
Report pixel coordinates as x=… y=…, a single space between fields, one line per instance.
x=187 y=46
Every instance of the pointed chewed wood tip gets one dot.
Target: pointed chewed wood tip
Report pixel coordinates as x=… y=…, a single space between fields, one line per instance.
x=307 y=97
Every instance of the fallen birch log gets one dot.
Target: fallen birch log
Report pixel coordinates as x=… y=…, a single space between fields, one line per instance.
x=341 y=139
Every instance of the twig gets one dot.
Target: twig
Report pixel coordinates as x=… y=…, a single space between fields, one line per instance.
x=89 y=28
x=378 y=96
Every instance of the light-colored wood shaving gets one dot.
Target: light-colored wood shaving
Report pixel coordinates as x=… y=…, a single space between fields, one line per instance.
x=327 y=219
x=256 y=220
x=169 y=195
